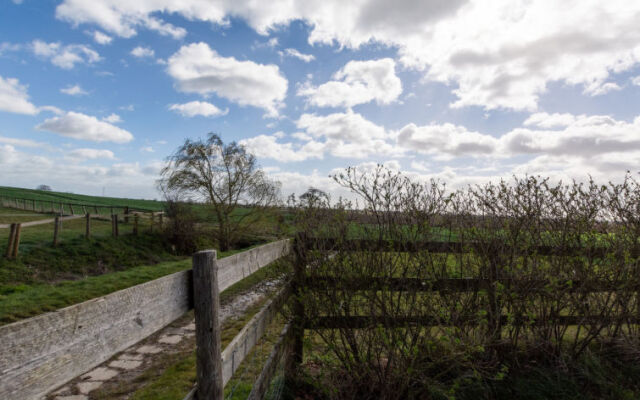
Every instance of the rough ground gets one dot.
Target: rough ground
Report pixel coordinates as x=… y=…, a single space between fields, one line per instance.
x=119 y=377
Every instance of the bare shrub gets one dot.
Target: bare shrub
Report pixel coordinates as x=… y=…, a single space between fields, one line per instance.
x=533 y=268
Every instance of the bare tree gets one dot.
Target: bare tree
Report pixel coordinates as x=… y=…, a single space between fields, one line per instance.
x=44 y=187
x=226 y=177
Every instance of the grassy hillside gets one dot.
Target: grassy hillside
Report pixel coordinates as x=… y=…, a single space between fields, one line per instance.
x=42 y=195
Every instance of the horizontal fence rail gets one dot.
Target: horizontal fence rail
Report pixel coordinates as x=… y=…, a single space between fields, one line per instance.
x=42 y=353
x=559 y=249
x=31 y=204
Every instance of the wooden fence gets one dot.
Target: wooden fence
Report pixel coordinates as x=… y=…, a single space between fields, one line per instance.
x=66 y=207
x=305 y=281
x=15 y=229
x=42 y=353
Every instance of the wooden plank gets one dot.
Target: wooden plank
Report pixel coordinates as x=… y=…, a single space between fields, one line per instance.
x=87 y=228
x=41 y=353
x=248 y=337
x=207 y=310
x=464 y=284
x=56 y=230
x=331 y=244
x=368 y=321
x=282 y=347
x=237 y=267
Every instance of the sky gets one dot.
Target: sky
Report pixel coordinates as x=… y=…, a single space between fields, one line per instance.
x=95 y=94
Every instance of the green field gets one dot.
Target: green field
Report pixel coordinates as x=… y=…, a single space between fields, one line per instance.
x=61 y=197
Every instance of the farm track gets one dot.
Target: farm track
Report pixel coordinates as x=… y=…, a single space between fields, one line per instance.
x=122 y=375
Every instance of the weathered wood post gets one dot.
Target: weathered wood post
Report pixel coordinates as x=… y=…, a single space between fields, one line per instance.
x=152 y=221
x=56 y=230
x=160 y=221
x=135 y=224
x=206 y=299
x=12 y=234
x=16 y=240
x=84 y=209
x=126 y=215
x=87 y=230
x=114 y=225
x=300 y=246
x=71 y=208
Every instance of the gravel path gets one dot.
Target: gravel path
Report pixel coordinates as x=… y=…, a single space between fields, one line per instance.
x=125 y=369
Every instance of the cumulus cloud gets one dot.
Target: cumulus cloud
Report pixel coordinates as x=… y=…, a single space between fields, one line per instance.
x=636 y=80
x=460 y=42
x=89 y=154
x=142 y=52
x=446 y=140
x=586 y=137
x=296 y=54
x=545 y=120
x=357 y=82
x=21 y=142
x=112 y=118
x=14 y=97
x=85 y=127
x=347 y=135
x=194 y=108
x=101 y=37
x=123 y=18
x=267 y=146
x=65 y=56
x=74 y=90
x=197 y=68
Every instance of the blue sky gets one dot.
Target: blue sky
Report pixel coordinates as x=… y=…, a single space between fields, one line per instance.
x=95 y=94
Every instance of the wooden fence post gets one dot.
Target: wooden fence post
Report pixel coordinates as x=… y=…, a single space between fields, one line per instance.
x=152 y=221
x=297 y=323
x=206 y=299
x=126 y=214
x=160 y=220
x=71 y=208
x=56 y=230
x=87 y=231
x=114 y=225
x=135 y=224
x=12 y=234
x=16 y=240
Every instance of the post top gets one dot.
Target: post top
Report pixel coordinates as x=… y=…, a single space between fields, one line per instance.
x=203 y=252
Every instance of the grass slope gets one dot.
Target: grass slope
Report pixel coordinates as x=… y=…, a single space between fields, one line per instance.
x=42 y=195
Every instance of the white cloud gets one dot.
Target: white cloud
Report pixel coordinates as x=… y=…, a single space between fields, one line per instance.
x=545 y=120
x=101 y=37
x=497 y=54
x=193 y=108
x=599 y=88
x=84 y=127
x=446 y=140
x=197 y=68
x=21 y=142
x=112 y=118
x=89 y=154
x=65 y=56
x=357 y=82
x=119 y=179
x=74 y=90
x=586 y=137
x=636 y=80
x=348 y=135
x=147 y=149
x=296 y=54
x=142 y=52
x=14 y=97
x=266 y=146
x=123 y=17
